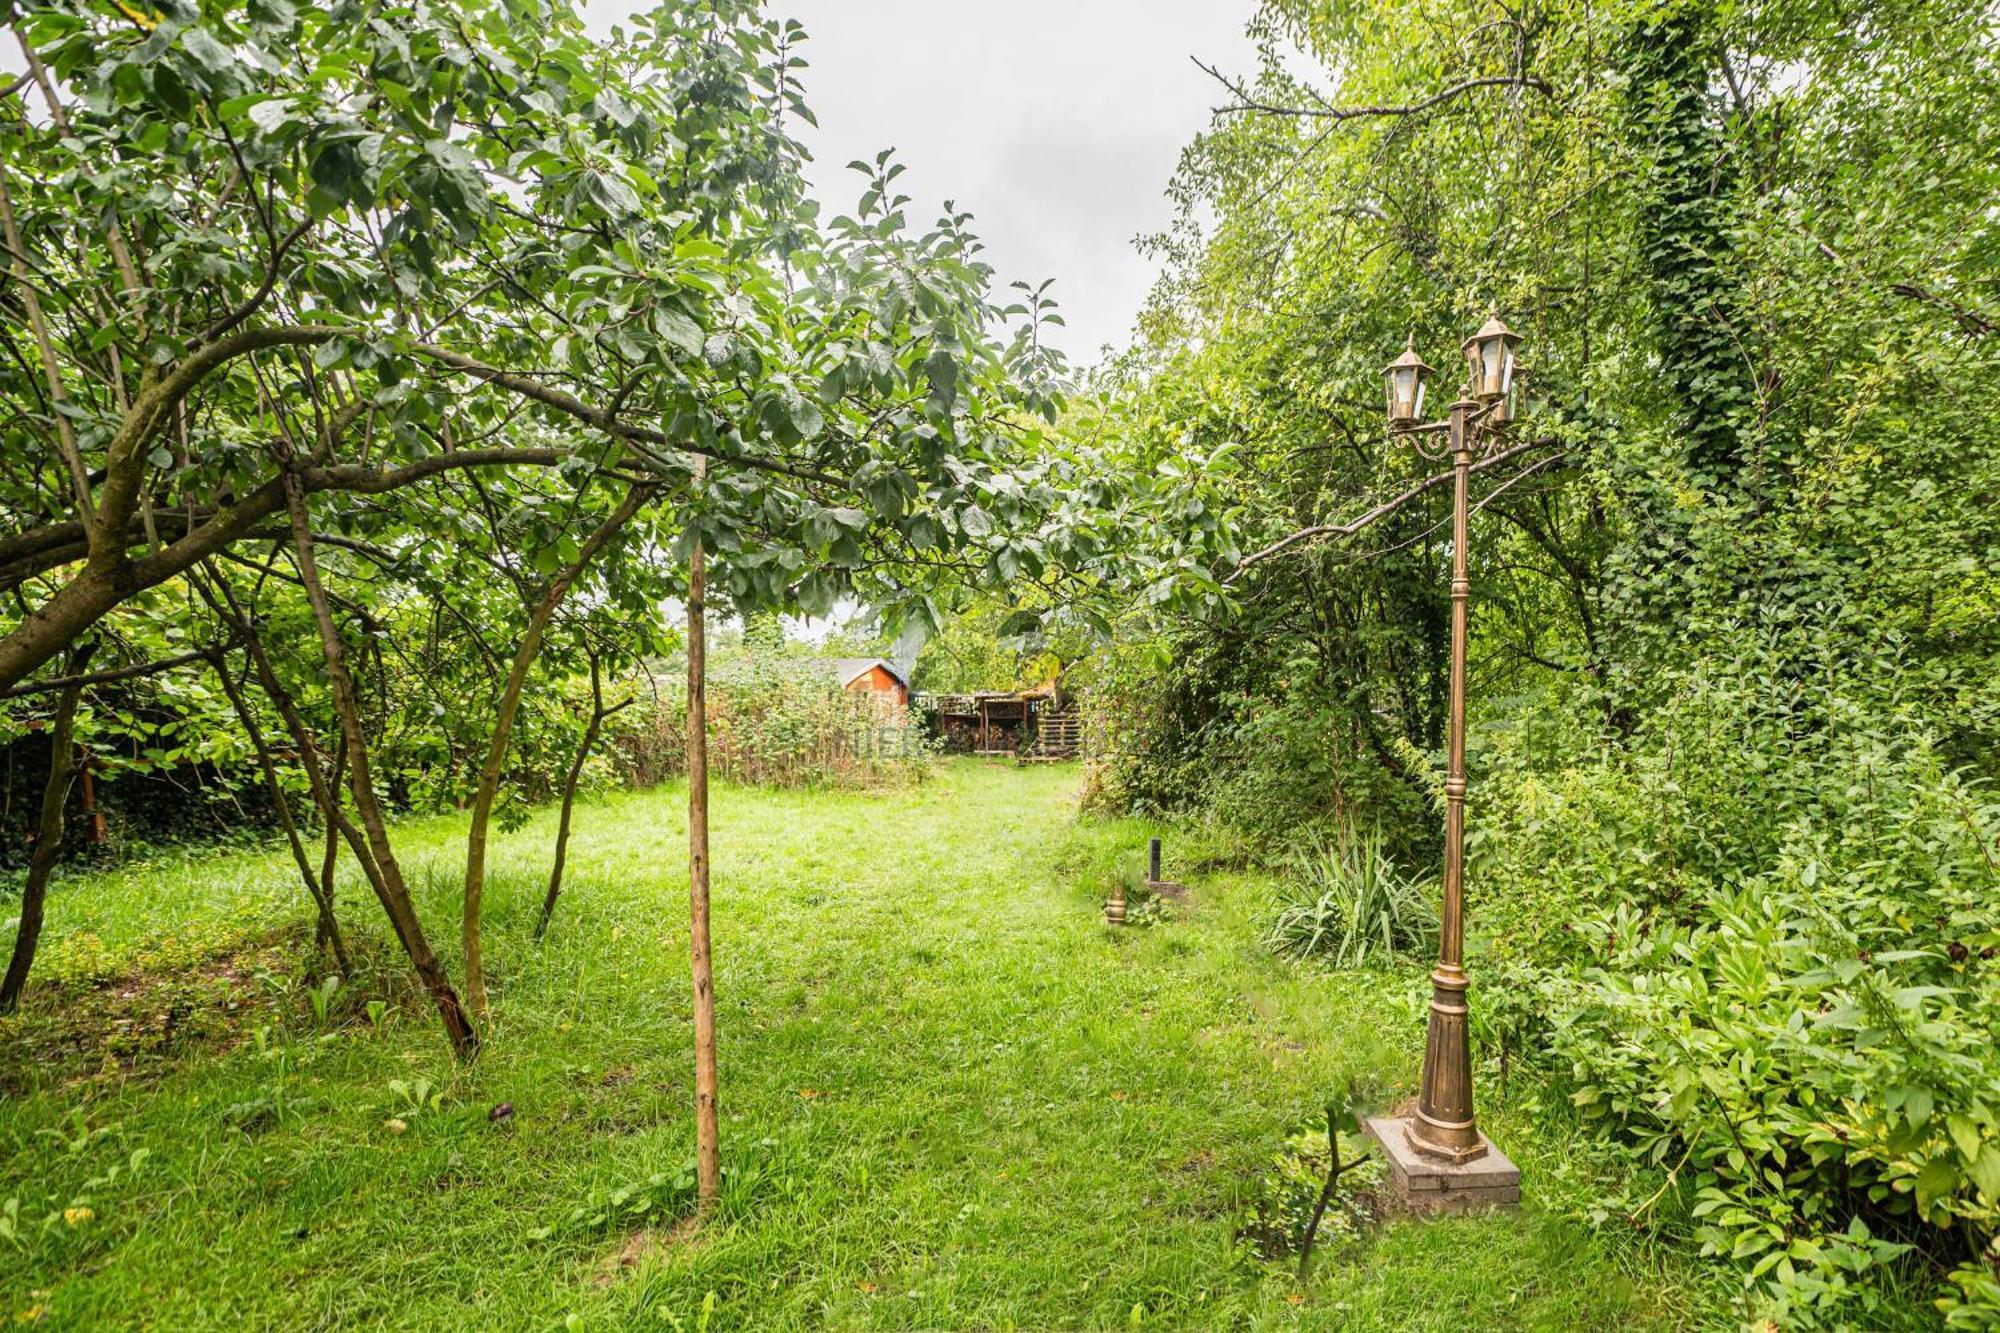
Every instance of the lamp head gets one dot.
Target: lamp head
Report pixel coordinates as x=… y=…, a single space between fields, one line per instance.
x=1489 y=357
x=1407 y=377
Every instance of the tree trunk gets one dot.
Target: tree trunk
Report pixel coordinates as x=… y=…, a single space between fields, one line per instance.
x=329 y=813
x=503 y=730
x=48 y=841
x=598 y=712
x=707 y=1134
x=325 y=781
x=327 y=932
x=387 y=878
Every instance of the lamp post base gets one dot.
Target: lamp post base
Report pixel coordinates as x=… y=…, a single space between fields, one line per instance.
x=1426 y=1184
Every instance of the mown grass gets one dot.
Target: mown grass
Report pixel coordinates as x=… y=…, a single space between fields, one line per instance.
x=952 y=1098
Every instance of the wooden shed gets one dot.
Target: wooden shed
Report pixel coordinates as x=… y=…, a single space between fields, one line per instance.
x=1026 y=724
x=873 y=675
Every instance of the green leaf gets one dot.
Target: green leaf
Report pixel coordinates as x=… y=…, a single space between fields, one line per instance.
x=1938 y=1179
x=808 y=421
x=681 y=333
x=212 y=56
x=1966 y=1136
x=1019 y=623
x=941 y=368
x=272 y=114
x=613 y=195
x=1985 y=1172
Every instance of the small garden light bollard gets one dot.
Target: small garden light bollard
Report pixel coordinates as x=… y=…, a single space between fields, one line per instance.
x=1115 y=906
x=1165 y=888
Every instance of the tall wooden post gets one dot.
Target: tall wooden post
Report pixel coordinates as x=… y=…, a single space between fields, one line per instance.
x=707 y=1133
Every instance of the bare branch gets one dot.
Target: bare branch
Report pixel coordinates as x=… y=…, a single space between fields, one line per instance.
x=106 y=677
x=253 y=302
x=1376 y=514
x=1977 y=323
x=1248 y=102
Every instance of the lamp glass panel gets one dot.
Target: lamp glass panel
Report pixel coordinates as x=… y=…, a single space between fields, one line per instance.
x=1404 y=393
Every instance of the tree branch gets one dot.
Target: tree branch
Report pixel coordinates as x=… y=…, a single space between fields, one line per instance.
x=106 y=677
x=603 y=419
x=1375 y=515
x=1246 y=102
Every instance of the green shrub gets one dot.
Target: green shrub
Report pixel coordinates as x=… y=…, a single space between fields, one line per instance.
x=1758 y=941
x=774 y=721
x=1221 y=732
x=1349 y=903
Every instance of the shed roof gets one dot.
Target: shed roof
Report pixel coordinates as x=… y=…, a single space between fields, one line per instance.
x=850 y=669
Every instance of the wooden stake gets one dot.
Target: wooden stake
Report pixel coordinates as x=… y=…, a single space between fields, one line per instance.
x=707 y=1135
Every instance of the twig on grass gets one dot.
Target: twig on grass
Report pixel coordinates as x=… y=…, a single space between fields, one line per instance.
x=1334 y=1171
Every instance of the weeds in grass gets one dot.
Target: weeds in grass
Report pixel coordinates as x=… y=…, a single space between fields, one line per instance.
x=1295 y=1185
x=322 y=998
x=414 y=1097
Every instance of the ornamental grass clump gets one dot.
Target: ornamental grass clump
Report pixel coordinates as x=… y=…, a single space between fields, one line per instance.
x=1348 y=902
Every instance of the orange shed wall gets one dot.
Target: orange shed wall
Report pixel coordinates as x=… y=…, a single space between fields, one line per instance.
x=877 y=681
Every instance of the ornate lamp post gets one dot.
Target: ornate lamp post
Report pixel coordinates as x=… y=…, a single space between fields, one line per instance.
x=1438 y=1157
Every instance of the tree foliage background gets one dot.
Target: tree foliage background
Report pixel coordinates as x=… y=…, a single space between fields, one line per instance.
x=359 y=358
x=1736 y=602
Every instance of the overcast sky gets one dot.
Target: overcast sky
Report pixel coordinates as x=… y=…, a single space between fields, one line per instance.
x=1057 y=123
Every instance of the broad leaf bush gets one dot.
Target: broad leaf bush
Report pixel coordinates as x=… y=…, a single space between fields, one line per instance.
x=1758 y=945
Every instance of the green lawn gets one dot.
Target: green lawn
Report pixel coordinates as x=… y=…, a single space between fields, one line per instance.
x=952 y=1098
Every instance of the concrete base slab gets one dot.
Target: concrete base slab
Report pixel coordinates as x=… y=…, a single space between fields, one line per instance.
x=1425 y=1185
